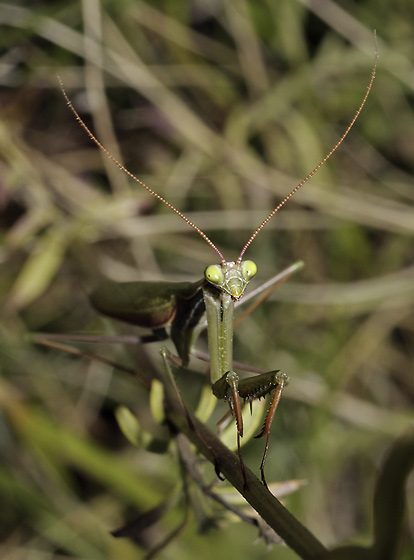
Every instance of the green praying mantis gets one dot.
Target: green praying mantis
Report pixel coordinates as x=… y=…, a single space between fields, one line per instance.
x=180 y=307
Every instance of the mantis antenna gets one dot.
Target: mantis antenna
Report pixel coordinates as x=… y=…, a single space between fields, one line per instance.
x=312 y=173
x=173 y=208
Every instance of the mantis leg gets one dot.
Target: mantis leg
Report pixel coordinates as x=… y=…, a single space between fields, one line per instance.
x=157 y=336
x=231 y=389
x=169 y=358
x=233 y=397
x=265 y=290
x=268 y=422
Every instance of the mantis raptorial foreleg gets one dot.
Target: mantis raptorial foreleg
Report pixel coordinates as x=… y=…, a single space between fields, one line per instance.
x=282 y=379
x=232 y=389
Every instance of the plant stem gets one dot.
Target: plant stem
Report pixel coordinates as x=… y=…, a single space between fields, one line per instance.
x=295 y=535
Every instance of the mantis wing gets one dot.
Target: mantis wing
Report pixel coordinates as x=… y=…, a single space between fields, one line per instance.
x=155 y=305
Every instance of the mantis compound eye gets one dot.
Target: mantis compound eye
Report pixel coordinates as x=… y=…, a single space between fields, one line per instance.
x=214 y=274
x=249 y=270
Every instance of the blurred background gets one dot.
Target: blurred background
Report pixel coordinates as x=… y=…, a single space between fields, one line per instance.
x=222 y=107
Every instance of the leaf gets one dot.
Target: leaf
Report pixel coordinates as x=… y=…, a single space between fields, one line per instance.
x=40 y=267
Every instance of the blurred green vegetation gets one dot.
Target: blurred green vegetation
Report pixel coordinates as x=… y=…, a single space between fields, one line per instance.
x=221 y=107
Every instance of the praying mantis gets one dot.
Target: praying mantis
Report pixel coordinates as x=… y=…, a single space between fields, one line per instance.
x=180 y=307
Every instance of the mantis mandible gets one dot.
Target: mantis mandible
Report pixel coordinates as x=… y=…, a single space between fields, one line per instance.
x=180 y=306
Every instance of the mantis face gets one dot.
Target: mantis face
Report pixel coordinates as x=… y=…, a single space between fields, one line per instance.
x=231 y=277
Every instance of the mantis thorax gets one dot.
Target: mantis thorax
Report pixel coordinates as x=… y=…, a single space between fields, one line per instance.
x=231 y=277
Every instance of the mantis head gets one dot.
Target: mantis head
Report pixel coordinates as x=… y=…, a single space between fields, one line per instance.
x=231 y=277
